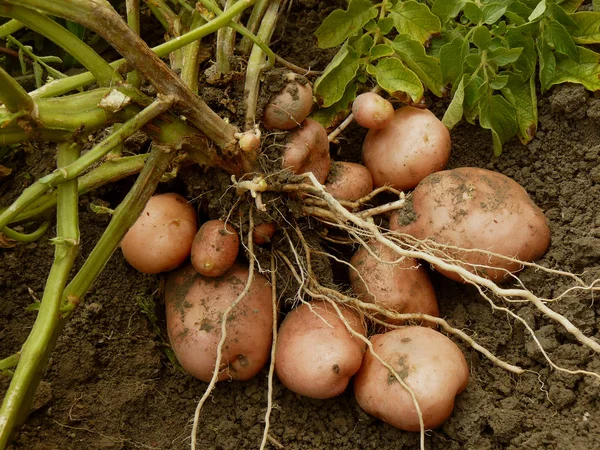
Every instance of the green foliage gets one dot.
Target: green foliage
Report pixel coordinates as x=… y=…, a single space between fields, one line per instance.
x=39 y=63
x=488 y=55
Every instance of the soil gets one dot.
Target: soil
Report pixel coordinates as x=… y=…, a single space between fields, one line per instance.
x=111 y=385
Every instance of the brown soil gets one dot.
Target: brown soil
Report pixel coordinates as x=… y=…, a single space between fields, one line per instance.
x=110 y=385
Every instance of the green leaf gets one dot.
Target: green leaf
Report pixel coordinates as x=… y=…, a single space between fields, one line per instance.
x=426 y=67
x=50 y=59
x=385 y=25
x=326 y=116
x=38 y=73
x=447 y=9
x=519 y=8
x=450 y=54
x=482 y=37
x=364 y=44
x=527 y=61
x=498 y=115
x=547 y=64
x=472 y=97
x=455 y=110
x=473 y=13
x=585 y=71
x=571 y=5
x=331 y=85
x=498 y=82
x=559 y=14
x=504 y=56
x=396 y=79
x=381 y=51
x=538 y=11
x=416 y=20
x=558 y=37
x=22 y=61
x=596 y=5
x=493 y=12
x=523 y=98
x=340 y=25
x=588 y=27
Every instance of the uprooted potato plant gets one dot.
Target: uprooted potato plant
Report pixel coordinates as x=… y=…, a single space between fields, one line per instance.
x=288 y=203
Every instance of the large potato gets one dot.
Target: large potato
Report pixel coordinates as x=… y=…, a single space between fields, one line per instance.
x=316 y=354
x=412 y=145
x=307 y=150
x=427 y=361
x=195 y=305
x=161 y=238
x=291 y=106
x=402 y=287
x=477 y=209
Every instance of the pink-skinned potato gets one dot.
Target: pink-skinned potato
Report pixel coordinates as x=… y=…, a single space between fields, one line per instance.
x=348 y=181
x=414 y=144
x=290 y=107
x=372 y=111
x=402 y=287
x=263 y=233
x=215 y=248
x=161 y=238
x=477 y=211
x=195 y=306
x=427 y=361
x=307 y=150
x=316 y=354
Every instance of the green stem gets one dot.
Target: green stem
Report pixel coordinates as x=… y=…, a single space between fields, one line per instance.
x=10 y=27
x=36 y=350
x=190 y=66
x=225 y=44
x=171 y=22
x=124 y=217
x=73 y=170
x=26 y=237
x=10 y=361
x=100 y=69
x=253 y=24
x=98 y=16
x=133 y=20
x=12 y=94
x=256 y=64
x=110 y=171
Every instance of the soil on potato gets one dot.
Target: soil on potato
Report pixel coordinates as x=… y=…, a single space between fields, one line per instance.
x=110 y=385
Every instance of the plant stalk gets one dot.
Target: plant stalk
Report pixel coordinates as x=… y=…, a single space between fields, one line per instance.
x=253 y=24
x=10 y=27
x=225 y=44
x=13 y=96
x=191 y=53
x=133 y=20
x=36 y=350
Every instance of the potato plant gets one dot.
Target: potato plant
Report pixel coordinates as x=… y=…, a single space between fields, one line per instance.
x=222 y=308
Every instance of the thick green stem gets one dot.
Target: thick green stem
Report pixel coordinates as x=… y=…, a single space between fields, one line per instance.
x=256 y=64
x=26 y=237
x=225 y=44
x=190 y=67
x=100 y=69
x=10 y=361
x=98 y=16
x=10 y=27
x=76 y=168
x=253 y=23
x=110 y=171
x=133 y=20
x=171 y=22
x=13 y=96
x=36 y=350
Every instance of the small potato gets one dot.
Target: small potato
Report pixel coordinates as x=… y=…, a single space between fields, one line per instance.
x=307 y=150
x=477 y=209
x=427 y=361
x=349 y=181
x=161 y=238
x=413 y=145
x=403 y=287
x=290 y=107
x=372 y=111
x=316 y=354
x=195 y=305
x=263 y=233
x=215 y=248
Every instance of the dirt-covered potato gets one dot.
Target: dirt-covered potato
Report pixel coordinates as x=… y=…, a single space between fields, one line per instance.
x=372 y=111
x=427 y=361
x=411 y=146
x=291 y=106
x=307 y=150
x=215 y=248
x=477 y=209
x=316 y=354
x=195 y=305
x=348 y=181
x=161 y=238
x=263 y=233
x=403 y=286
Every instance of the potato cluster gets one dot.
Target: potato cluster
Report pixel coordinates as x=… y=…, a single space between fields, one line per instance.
x=481 y=220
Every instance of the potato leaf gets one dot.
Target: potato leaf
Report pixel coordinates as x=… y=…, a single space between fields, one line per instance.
x=525 y=65
x=596 y=5
x=416 y=20
x=450 y=55
x=558 y=37
x=331 y=85
x=398 y=80
x=586 y=71
x=340 y=25
x=523 y=98
x=588 y=27
x=426 y=67
x=493 y=12
x=455 y=110
x=547 y=64
x=447 y=9
x=571 y=5
x=538 y=11
x=326 y=116
x=473 y=13
x=498 y=115
x=381 y=51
